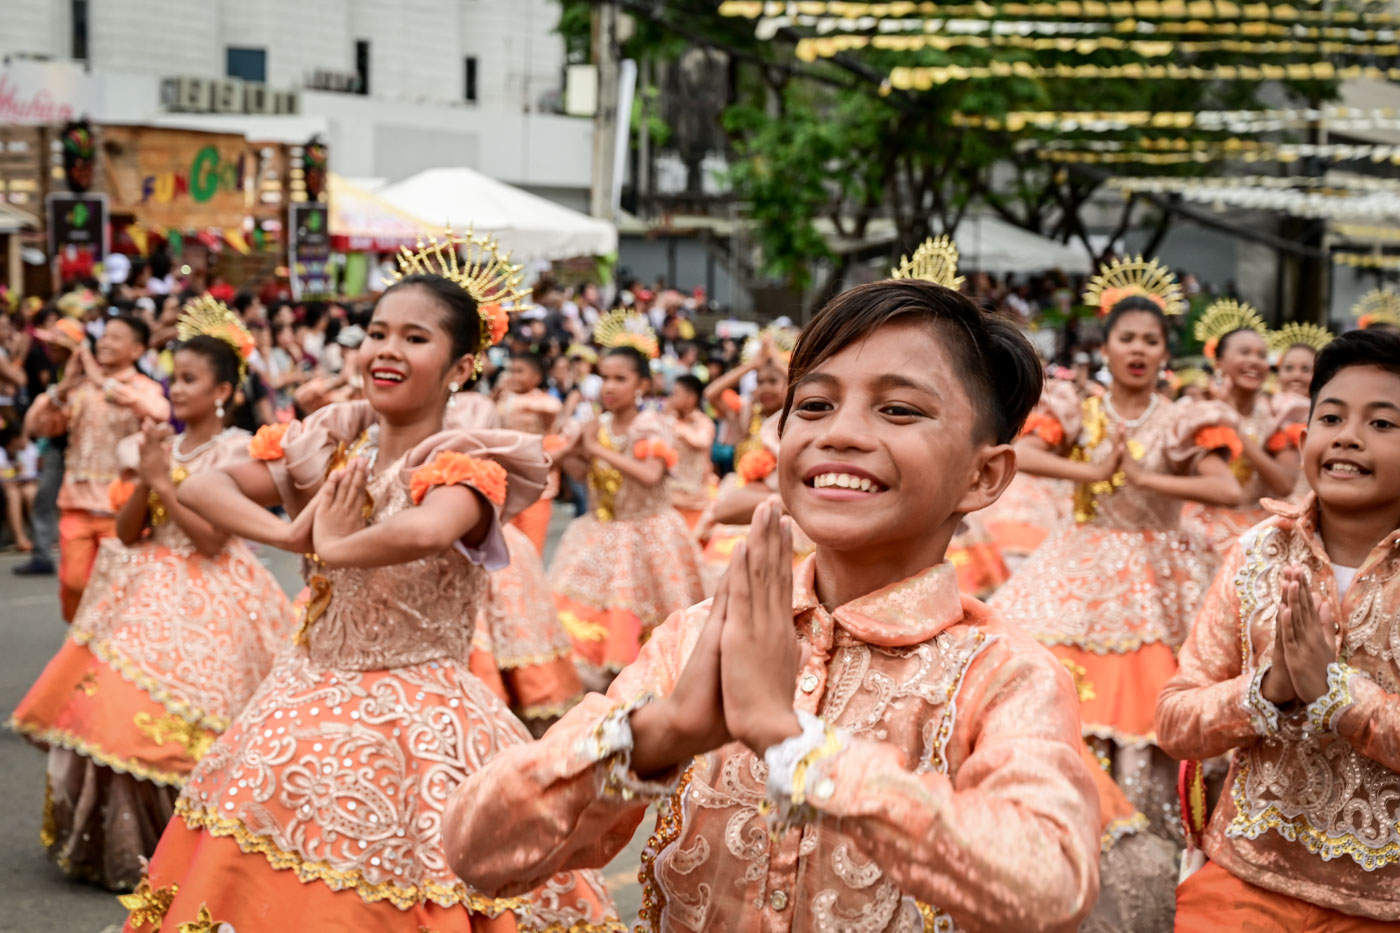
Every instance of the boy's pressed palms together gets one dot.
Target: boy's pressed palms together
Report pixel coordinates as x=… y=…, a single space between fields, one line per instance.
x=1309 y=636
x=759 y=652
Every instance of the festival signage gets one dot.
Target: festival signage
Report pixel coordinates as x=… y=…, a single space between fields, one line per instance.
x=309 y=250
x=179 y=178
x=45 y=93
x=77 y=222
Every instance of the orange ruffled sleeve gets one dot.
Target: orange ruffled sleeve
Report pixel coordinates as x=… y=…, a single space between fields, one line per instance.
x=1045 y=427
x=1220 y=437
x=267 y=443
x=1288 y=436
x=450 y=468
x=654 y=448
x=731 y=400
x=756 y=465
x=118 y=493
x=553 y=443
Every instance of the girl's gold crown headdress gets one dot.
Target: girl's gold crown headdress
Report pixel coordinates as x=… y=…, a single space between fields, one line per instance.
x=1226 y=316
x=626 y=329
x=206 y=316
x=474 y=263
x=1295 y=334
x=784 y=339
x=1191 y=376
x=1124 y=278
x=936 y=261
x=1377 y=307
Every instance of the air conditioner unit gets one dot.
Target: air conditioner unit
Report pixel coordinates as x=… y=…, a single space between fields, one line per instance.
x=228 y=96
x=287 y=103
x=259 y=98
x=187 y=94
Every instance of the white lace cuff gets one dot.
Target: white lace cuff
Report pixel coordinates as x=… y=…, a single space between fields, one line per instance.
x=1262 y=714
x=1324 y=712
x=793 y=767
x=612 y=746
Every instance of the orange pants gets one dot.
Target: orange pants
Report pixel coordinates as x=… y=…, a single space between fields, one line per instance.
x=1213 y=899
x=79 y=534
x=534 y=521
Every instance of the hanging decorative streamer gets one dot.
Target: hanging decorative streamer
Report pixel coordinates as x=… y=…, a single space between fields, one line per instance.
x=1364 y=232
x=1321 y=203
x=812 y=49
x=1334 y=182
x=924 y=78
x=780 y=15
x=1337 y=119
x=1366 y=260
x=1228 y=150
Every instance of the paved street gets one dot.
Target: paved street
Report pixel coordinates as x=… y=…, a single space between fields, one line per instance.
x=34 y=895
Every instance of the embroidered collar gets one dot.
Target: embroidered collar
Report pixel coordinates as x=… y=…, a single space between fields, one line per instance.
x=905 y=613
x=1303 y=517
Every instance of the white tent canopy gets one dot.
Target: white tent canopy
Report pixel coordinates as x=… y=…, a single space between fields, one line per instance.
x=989 y=244
x=530 y=227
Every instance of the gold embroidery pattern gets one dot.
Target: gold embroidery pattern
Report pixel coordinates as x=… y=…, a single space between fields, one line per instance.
x=1324 y=711
x=1082 y=685
x=169 y=728
x=604 y=480
x=668 y=830
x=935 y=920
x=1249 y=824
x=752 y=440
x=135 y=676
x=205 y=923
x=86 y=684
x=400 y=896
x=48 y=826
x=938 y=752
x=580 y=628
x=1250 y=582
x=148 y=904
x=1120 y=828
x=65 y=739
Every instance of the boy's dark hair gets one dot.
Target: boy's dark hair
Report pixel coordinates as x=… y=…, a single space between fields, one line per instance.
x=242 y=299
x=691 y=384
x=997 y=365
x=1377 y=348
x=532 y=360
x=139 y=328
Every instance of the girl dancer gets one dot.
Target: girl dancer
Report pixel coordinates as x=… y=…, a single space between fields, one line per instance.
x=766 y=356
x=527 y=407
x=320 y=808
x=628 y=564
x=178 y=626
x=1114 y=595
x=692 y=481
x=1261 y=457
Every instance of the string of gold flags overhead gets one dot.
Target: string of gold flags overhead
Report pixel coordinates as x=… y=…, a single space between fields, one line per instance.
x=812 y=49
x=832 y=16
x=1337 y=119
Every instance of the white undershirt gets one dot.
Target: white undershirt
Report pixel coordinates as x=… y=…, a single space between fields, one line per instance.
x=1344 y=577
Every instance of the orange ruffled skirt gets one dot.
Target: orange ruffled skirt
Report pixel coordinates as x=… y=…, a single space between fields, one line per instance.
x=1220 y=527
x=1113 y=605
x=613 y=582
x=975 y=557
x=321 y=809
x=534 y=521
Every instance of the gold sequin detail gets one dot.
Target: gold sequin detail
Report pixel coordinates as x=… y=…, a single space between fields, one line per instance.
x=1082 y=685
x=668 y=830
x=48 y=825
x=147 y=904
x=86 y=684
x=172 y=728
x=604 y=480
x=402 y=897
x=66 y=739
x=204 y=923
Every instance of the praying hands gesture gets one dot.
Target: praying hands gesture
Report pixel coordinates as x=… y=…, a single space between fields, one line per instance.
x=738 y=682
x=1305 y=642
x=342 y=511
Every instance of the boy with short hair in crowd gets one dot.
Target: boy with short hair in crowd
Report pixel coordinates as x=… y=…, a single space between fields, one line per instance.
x=851 y=744
x=1294 y=665
x=101 y=399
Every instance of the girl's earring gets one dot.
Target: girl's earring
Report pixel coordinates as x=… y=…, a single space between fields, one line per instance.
x=452 y=394
x=219 y=408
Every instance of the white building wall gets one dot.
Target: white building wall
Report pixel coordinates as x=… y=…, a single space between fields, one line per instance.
x=160 y=37
x=297 y=37
x=34 y=27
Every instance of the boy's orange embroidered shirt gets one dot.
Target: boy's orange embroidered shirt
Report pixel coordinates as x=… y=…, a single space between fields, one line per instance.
x=95 y=426
x=959 y=794
x=1312 y=802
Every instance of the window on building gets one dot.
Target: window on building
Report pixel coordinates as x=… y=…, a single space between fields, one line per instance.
x=362 y=66
x=470 y=90
x=80 y=29
x=248 y=64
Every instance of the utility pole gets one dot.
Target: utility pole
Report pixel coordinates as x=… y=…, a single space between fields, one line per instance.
x=605 y=60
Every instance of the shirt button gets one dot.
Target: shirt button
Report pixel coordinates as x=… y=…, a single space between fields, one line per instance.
x=779 y=900
x=808 y=683
x=824 y=789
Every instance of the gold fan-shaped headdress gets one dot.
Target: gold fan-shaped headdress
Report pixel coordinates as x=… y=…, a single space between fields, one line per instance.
x=206 y=316
x=1124 y=278
x=1378 y=306
x=474 y=263
x=1225 y=317
x=936 y=261
x=784 y=339
x=626 y=329
x=1191 y=376
x=1294 y=334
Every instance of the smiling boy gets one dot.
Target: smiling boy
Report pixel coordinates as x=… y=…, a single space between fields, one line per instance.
x=1293 y=665
x=851 y=744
